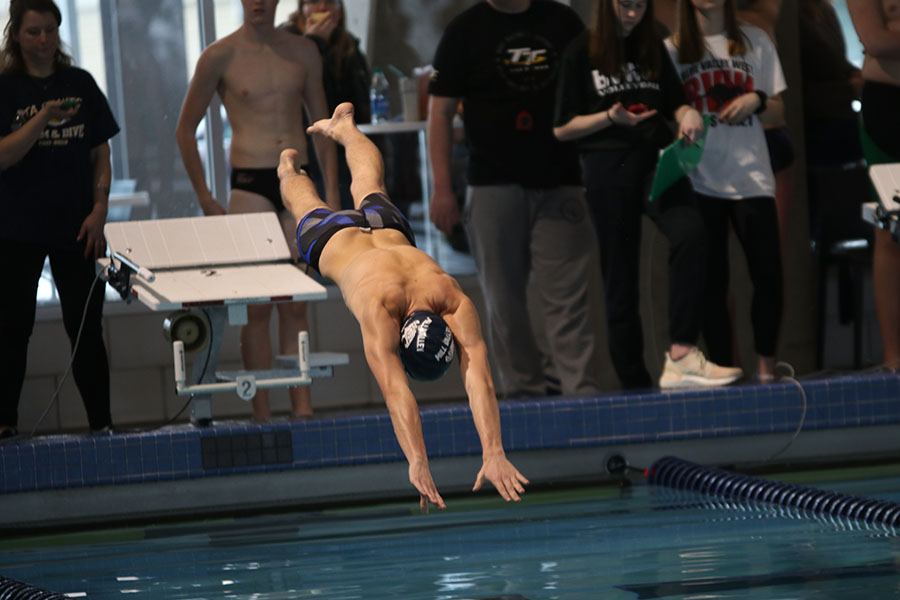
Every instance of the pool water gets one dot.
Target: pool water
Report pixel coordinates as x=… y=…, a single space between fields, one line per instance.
x=605 y=542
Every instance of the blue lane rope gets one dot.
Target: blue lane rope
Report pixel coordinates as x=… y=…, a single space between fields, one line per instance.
x=10 y=589
x=679 y=474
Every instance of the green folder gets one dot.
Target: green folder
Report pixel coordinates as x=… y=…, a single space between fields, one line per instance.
x=676 y=160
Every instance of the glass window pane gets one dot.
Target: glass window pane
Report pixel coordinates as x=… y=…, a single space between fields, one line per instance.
x=90 y=40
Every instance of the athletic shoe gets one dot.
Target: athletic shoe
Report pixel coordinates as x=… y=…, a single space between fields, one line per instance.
x=694 y=370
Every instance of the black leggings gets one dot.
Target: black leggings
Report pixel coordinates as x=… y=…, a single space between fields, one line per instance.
x=616 y=182
x=755 y=222
x=880 y=115
x=21 y=264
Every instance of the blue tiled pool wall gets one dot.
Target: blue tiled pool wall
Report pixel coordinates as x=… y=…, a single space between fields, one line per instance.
x=549 y=423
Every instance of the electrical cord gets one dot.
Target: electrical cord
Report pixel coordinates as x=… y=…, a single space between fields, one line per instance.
x=803 y=403
x=794 y=380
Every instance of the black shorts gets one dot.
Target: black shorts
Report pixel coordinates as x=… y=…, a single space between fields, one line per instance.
x=375 y=212
x=881 y=118
x=259 y=181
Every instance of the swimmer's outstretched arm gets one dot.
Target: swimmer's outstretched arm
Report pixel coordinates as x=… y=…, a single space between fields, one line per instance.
x=476 y=376
x=381 y=337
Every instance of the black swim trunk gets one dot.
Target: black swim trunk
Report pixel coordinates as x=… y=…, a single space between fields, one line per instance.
x=375 y=212
x=259 y=181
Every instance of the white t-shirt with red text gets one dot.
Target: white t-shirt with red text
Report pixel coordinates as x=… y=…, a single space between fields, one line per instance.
x=735 y=162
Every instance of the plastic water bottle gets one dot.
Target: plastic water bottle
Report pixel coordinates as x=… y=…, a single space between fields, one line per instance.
x=378 y=97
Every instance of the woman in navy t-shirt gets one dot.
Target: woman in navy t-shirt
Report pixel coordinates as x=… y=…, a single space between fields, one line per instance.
x=55 y=174
x=616 y=95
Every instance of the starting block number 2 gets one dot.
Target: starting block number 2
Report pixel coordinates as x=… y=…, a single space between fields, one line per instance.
x=246 y=386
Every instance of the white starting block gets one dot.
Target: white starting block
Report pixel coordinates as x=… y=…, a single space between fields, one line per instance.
x=207 y=270
x=885 y=213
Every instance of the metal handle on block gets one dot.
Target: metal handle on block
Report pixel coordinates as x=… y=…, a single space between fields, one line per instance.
x=180 y=371
x=303 y=349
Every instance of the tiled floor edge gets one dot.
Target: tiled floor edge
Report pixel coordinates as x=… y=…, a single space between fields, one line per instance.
x=231 y=448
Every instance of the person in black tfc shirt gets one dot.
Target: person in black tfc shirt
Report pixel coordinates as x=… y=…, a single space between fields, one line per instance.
x=525 y=212
x=55 y=173
x=615 y=94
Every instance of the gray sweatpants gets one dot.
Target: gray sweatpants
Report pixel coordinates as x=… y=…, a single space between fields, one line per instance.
x=517 y=232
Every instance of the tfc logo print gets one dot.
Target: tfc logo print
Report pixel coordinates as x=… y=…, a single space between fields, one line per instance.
x=716 y=88
x=526 y=56
x=526 y=61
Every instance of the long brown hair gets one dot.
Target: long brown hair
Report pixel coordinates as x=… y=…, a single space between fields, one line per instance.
x=608 y=49
x=343 y=44
x=11 y=60
x=689 y=41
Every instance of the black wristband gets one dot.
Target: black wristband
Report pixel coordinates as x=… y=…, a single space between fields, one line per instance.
x=763 y=98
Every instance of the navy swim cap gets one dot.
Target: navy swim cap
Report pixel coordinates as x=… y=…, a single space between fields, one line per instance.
x=426 y=346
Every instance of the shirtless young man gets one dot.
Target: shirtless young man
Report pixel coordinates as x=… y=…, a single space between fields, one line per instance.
x=385 y=281
x=264 y=77
x=877 y=24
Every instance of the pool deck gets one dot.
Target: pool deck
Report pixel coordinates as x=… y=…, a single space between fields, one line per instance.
x=235 y=466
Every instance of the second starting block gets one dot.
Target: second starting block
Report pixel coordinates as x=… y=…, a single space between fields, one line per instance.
x=886 y=212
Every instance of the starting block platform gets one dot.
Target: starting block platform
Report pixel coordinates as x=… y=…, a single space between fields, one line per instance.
x=207 y=270
x=886 y=212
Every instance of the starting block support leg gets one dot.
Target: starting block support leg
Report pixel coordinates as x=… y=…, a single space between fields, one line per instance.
x=204 y=367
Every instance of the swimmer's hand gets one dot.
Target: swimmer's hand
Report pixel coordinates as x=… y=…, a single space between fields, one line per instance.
x=420 y=477
x=505 y=477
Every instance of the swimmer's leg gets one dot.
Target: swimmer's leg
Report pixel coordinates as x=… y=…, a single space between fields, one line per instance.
x=297 y=190
x=363 y=157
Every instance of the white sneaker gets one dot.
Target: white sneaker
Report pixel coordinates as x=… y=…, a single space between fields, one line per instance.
x=693 y=370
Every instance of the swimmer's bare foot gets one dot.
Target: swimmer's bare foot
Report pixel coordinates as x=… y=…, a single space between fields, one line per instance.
x=290 y=164
x=340 y=123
